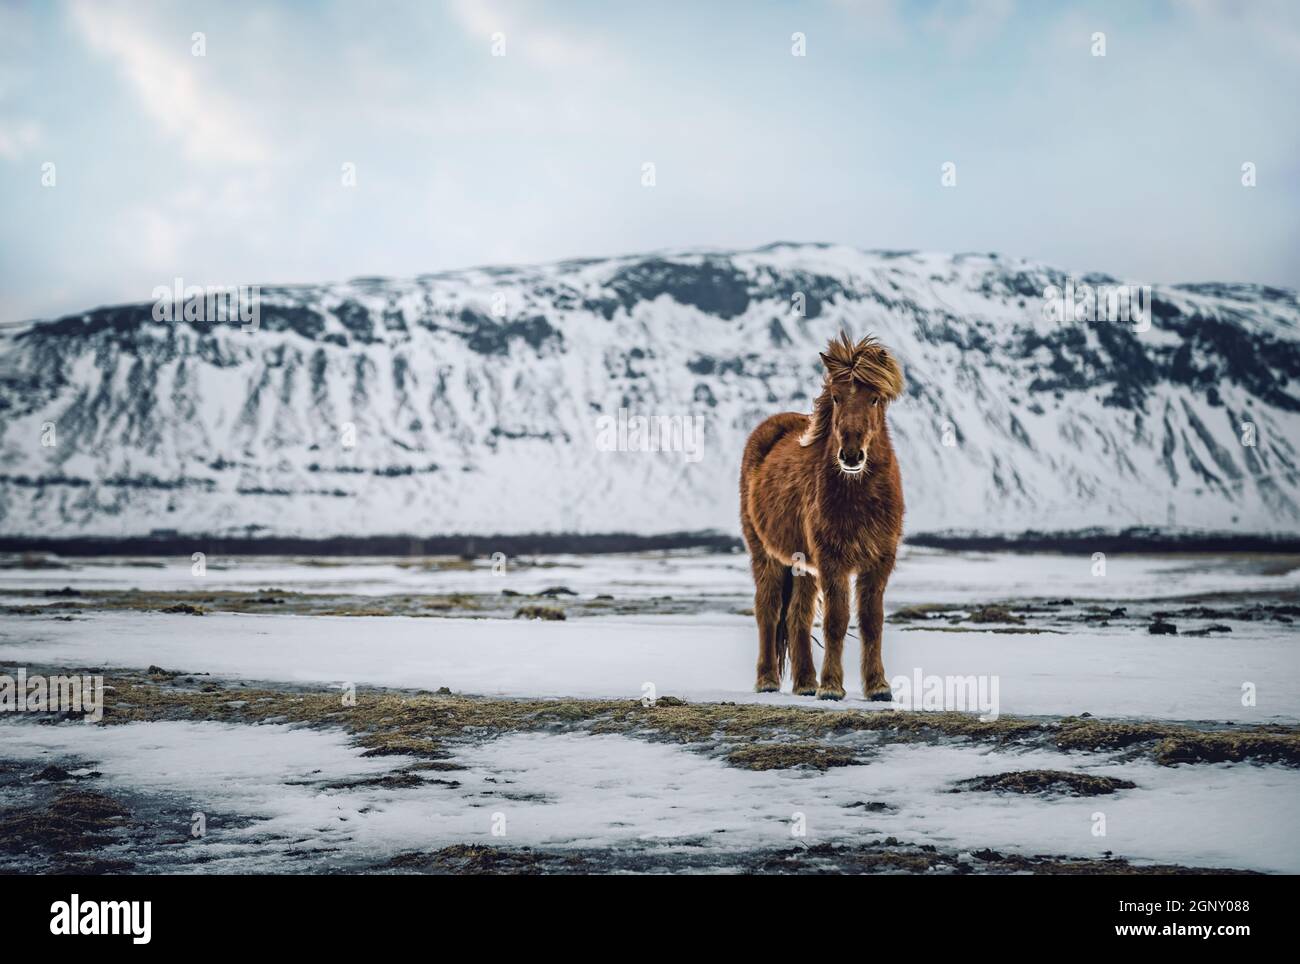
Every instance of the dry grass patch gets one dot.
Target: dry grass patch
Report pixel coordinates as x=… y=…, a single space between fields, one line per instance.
x=1060 y=782
x=785 y=756
x=75 y=820
x=422 y=724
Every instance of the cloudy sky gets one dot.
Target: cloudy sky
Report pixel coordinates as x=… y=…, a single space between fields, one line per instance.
x=228 y=167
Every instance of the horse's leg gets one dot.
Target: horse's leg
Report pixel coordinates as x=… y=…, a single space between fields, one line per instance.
x=768 y=574
x=835 y=594
x=803 y=607
x=871 y=621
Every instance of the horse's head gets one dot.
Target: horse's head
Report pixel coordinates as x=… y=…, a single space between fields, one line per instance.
x=861 y=379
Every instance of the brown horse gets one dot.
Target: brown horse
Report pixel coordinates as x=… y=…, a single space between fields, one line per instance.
x=821 y=500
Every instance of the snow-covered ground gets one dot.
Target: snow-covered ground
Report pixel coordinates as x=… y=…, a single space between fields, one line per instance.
x=601 y=791
x=1107 y=673
x=561 y=790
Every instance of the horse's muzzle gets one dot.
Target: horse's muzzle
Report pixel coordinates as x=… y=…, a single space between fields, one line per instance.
x=851 y=464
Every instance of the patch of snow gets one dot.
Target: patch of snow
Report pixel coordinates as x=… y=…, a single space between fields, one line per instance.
x=1106 y=672
x=566 y=791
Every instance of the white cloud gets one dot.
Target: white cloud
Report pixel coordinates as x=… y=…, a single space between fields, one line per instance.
x=18 y=137
x=1275 y=22
x=961 y=24
x=967 y=24
x=166 y=80
x=537 y=43
x=18 y=133
x=881 y=19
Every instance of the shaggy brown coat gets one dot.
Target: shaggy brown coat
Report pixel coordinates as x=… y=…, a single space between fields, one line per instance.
x=821 y=501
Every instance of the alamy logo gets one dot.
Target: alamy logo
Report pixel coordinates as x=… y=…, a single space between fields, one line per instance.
x=132 y=917
x=211 y=304
x=1130 y=304
x=962 y=694
x=651 y=433
x=53 y=694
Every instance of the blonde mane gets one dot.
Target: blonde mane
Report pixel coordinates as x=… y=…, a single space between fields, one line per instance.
x=867 y=362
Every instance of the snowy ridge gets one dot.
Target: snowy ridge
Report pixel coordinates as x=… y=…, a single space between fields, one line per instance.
x=474 y=400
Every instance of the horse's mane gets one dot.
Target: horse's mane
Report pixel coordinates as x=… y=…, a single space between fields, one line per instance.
x=868 y=362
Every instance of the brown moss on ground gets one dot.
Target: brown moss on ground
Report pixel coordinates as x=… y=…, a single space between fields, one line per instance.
x=539 y=612
x=924 y=611
x=693 y=722
x=784 y=756
x=1047 y=782
x=879 y=857
x=892 y=856
x=438 y=564
x=994 y=614
x=992 y=861
x=398 y=780
x=1080 y=733
x=455 y=600
x=423 y=724
x=273 y=600
x=1174 y=743
x=281 y=602
x=384 y=744
x=474 y=859
x=1003 y=630
x=979 y=614
x=882 y=857
x=76 y=820
x=388 y=723
x=1229 y=747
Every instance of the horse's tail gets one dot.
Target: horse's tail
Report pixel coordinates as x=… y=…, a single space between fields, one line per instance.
x=782 y=630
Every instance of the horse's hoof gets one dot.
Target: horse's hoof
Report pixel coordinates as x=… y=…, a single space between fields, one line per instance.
x=830 y=694
x=810 y=690
x=885 y=695
x=766 y=686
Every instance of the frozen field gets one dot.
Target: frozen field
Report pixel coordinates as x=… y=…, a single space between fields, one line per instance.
x=922 y=575
x=233 y=705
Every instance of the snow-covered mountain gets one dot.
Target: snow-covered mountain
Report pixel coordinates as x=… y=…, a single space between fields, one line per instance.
x=487 y=400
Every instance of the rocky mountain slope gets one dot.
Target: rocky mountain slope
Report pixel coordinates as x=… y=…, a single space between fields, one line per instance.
x=487 y=401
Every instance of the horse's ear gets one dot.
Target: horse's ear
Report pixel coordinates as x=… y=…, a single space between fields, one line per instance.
x=834 y=367
x=893 y=380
